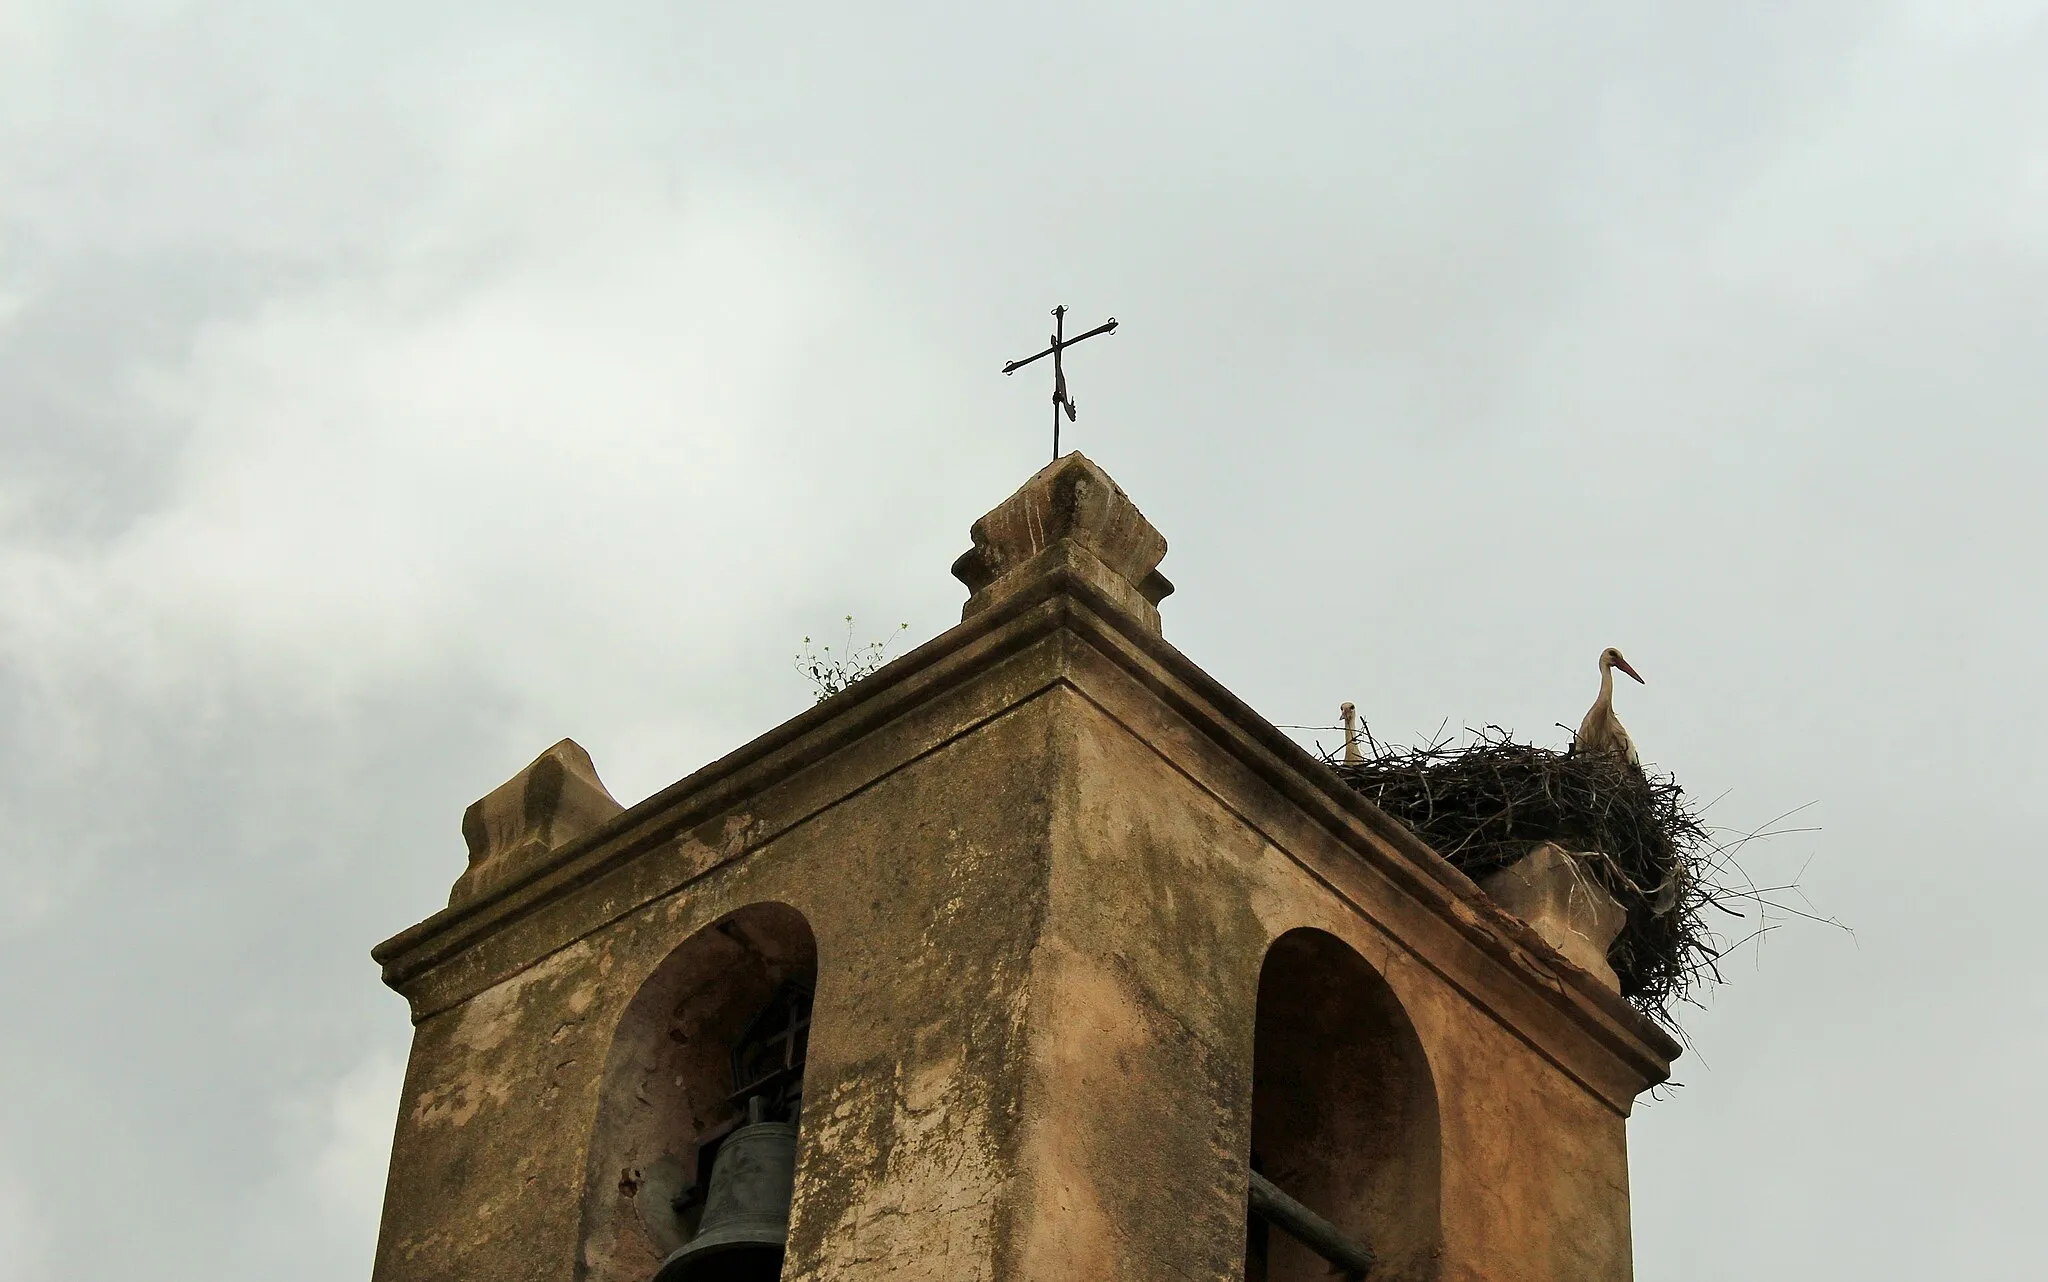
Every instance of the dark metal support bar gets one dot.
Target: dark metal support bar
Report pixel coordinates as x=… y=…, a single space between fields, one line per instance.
x=1059 y=379
x=1059 y=342
x=1109 y=327
x=1308 y=1228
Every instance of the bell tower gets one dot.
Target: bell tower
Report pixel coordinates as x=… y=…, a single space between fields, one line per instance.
x=1035 y=955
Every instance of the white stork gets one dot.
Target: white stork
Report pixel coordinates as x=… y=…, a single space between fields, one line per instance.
x=1602 y=731
x=1352 y=756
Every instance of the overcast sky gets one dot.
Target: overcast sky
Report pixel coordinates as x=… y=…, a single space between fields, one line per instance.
x=389 y=390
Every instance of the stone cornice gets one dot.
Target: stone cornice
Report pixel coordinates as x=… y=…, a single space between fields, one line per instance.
x=450 y=955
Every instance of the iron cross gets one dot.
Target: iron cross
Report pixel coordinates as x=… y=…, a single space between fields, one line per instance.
x=1059 y=374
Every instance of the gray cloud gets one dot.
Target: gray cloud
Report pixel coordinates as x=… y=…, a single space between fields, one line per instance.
x=386 y=393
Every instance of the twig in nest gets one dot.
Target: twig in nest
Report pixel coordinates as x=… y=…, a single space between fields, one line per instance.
x=1485 y=803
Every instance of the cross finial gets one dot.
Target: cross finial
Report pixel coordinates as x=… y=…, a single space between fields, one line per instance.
x=1060 y=342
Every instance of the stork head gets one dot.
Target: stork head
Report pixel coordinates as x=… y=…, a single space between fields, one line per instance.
x=1611 y=658
x=1347 y=710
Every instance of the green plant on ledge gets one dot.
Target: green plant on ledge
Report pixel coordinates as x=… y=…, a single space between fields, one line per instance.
x=829 y=673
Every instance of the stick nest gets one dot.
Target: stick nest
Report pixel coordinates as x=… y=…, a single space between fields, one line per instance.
x=1485 y=803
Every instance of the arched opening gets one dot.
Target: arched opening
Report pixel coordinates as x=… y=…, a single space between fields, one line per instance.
x=1344 y=1120
x=721 y=1021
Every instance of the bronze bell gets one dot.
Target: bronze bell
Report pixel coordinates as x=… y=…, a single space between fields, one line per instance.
x=746 y=1208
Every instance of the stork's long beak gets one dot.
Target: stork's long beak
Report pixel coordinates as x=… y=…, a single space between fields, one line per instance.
x=1623 y=665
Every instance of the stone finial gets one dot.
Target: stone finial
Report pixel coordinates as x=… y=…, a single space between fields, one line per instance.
x=1550 y=889
x=553 y=801
x=1070 y=516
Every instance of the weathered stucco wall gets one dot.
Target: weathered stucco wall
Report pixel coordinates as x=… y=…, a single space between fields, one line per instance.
x=923 y=893
x=1038 y=868
x=1171 y=882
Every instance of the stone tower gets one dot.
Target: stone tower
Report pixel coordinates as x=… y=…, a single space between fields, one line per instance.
x=1083 y=941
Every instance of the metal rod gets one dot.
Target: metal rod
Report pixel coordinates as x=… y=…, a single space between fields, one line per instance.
x=1057 y=343
x=1014 y=366
x=1108 y=327
x=1059 y=329
x=1308 y=1228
